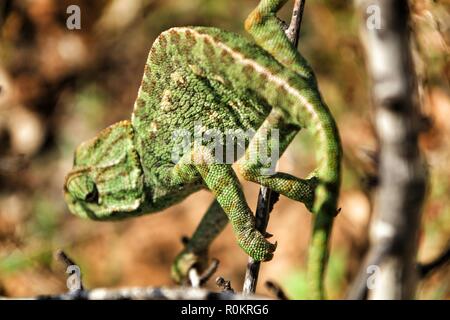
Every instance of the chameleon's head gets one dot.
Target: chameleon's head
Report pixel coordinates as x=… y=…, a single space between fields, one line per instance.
x=107 y=180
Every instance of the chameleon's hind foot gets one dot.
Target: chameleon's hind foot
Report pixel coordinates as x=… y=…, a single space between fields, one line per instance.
x=256 y=246
x=185 y=261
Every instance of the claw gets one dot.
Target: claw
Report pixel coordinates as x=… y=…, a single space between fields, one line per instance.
x=337 y=211
x=256 y=246
x=275 y=245
x=268 y=257
x=268 y=235
x=185 y=240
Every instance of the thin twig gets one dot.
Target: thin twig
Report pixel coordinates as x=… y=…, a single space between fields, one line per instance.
x=426 y=269
x=267 y=198
x=276 y=290
x=212 y=268
x=225 y=285
x=197 y=280
x=194 y=278
x=293 y=32
x=64 y=258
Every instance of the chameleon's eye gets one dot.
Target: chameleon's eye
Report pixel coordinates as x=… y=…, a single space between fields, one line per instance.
x=82 y=187
x=92 y=197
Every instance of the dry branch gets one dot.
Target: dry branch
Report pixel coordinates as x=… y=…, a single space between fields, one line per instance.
x=442 y=260
x=146 y=293
x=401 y=171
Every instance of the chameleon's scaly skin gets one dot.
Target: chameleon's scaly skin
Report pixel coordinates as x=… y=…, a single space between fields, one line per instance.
x=223 y=81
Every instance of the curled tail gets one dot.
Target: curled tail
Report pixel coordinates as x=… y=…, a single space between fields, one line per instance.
x=311 y=112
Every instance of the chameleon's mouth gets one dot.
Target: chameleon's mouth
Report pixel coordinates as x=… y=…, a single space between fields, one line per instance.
x=97 y=211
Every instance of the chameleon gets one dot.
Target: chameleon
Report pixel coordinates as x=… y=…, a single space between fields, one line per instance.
x=223 y=81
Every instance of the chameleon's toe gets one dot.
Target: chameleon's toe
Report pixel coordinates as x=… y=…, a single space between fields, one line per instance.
x=257 y=247
x=184 y=262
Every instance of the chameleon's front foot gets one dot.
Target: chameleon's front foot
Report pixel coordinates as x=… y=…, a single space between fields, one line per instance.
x=256 y=246
x=185 y=261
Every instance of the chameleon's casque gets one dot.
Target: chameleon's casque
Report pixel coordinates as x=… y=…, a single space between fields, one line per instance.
x=222 y=81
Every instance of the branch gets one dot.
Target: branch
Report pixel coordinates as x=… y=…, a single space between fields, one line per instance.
x=225 y=285
x=276 y=290
x=442 y=260
x=208 y=273
x=197 y=280
x=402 y=177
x=267 y=198
x=64 y=258
x=145 y=293
x=293 y=32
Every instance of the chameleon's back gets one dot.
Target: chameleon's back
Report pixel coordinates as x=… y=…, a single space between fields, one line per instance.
x=179 y=95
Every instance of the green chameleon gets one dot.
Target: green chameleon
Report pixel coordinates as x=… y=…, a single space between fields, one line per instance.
x=223 y=81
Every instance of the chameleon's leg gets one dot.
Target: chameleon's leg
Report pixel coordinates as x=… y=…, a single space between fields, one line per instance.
x=252 y=168
x=223 y=182
x=195 y=253
x=267 y=31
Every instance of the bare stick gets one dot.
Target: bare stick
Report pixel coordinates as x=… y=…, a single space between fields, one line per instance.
x=276 y=290
x=267 y=198
x=293 y=32
x=359 y=289
x=197 y=280
x=401 y=171
x=145 y=293
x=64 y=258
x=225 y=285
x=209 y=272
x=73 y=269
x=194 y=278
x=427 y=268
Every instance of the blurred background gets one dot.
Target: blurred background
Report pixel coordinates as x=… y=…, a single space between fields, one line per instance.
x=60 y=87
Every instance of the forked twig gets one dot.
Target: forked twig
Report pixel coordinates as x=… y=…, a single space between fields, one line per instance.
x=225 y=285
x=209 y=271
x=197 y=280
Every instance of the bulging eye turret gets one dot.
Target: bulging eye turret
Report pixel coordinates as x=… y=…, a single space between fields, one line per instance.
x=82 y=187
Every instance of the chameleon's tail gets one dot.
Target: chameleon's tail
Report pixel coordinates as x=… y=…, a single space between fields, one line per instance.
x=267 y=31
